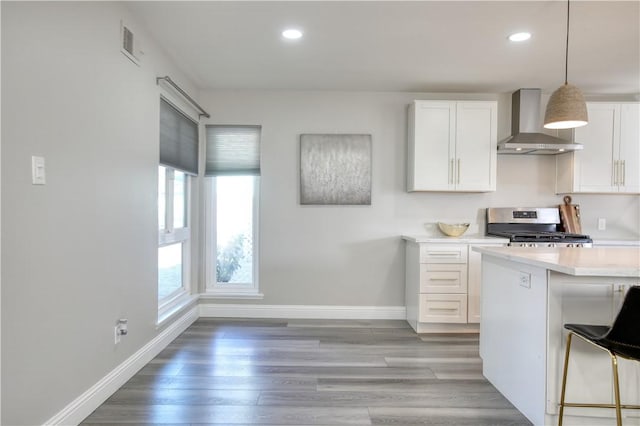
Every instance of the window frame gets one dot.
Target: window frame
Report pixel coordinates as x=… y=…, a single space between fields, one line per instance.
x=217 y=289
x=169 y=235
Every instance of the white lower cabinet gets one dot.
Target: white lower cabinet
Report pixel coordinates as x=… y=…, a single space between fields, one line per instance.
x=442 y=286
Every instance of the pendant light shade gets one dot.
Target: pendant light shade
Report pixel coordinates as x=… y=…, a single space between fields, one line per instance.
x=566 y=108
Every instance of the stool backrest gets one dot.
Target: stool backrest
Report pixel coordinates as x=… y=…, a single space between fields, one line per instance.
x=626 y=326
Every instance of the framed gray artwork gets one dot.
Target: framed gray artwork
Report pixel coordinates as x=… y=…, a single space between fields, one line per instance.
x=335 y=169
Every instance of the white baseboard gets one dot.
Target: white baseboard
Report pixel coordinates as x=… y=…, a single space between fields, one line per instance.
x=86 y=403
x=221 y=310
x=446 y=328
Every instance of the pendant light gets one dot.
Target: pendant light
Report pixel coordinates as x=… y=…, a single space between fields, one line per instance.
x=566 y=108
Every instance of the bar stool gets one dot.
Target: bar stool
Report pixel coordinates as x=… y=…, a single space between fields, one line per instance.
x=622 y=340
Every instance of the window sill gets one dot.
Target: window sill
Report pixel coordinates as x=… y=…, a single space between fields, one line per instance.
x=173 y=309
x=218 y=294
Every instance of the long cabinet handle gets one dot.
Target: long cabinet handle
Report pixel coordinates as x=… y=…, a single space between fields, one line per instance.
x=458 y=170
x=444 y=253
x=623 y=173
x=615 y=173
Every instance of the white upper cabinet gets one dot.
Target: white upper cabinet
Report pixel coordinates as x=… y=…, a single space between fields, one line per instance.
x=452 y=146
x=610 y=160
x=630 y=148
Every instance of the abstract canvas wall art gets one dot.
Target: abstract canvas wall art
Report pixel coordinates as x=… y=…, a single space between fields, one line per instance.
x=335 y=169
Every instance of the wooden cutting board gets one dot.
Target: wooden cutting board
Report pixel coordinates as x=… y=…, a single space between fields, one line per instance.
x=570 y=216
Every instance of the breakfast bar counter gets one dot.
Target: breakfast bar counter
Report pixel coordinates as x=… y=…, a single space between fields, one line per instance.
x=528 y=294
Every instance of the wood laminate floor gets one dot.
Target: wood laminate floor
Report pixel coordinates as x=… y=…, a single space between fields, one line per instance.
x=310 y=372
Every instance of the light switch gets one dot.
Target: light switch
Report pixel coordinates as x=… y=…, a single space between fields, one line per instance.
x=37 y=170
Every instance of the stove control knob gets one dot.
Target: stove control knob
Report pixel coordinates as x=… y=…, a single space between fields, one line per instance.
x=552 y=245
x=569 y=245
x=579 y=245
x=532 y=245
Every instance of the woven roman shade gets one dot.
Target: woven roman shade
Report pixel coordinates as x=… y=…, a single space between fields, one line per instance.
x=178 y=139
x=233 y=150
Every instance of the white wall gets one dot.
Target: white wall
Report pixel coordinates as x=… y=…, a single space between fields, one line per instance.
x=353 y=255
x=79 y=252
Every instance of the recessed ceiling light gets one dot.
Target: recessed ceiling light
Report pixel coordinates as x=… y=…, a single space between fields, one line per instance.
x=520 y=36
x=292 y=34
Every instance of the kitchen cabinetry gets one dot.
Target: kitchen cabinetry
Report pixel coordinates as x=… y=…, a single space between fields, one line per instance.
x=443 y=283
x=610 y=160
x=452 y=146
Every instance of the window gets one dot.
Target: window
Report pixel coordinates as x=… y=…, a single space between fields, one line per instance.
x=173 y=233
x=233 y=178
x=178 y=160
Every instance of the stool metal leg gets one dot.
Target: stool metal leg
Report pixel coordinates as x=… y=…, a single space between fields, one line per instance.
x=564 y=378
x=616 y=388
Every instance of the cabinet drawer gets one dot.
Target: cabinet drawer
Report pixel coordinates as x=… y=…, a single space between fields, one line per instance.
x=443 y=308
x=443 y=278
x=443 y=253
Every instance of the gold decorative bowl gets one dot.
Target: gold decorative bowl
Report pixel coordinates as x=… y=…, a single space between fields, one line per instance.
x=453 y=229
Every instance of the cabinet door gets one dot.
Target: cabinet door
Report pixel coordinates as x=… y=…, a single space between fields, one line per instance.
x=595 y=166
x=474 y=282
x=630 y=148
x=476 y=146
x=431 y=146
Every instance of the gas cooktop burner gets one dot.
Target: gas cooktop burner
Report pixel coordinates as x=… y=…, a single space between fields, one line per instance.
x=532 y=227
x=544 y=237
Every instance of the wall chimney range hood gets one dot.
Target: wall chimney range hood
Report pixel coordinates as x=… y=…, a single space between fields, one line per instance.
x=526 y=128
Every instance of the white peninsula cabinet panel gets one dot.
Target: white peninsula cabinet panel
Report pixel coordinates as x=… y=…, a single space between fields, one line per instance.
x=610 y=160
x=452 y=146
x=443 y=283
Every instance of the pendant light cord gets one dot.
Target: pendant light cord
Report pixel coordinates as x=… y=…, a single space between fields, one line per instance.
x=566 y=55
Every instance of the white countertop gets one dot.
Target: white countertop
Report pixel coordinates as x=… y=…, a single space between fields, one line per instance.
x=616 y=242
x=463 y=239
x=597 y=261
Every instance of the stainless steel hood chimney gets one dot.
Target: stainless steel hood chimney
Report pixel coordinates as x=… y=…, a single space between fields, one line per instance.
x=526 y=128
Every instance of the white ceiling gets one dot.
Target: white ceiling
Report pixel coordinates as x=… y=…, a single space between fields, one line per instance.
x=414 y=46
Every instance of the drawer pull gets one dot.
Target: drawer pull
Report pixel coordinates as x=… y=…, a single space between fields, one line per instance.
x=443 y=309
x=443 y=254
x=444 y=279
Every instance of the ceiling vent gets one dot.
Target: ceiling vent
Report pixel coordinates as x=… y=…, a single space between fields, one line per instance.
x=128 y=44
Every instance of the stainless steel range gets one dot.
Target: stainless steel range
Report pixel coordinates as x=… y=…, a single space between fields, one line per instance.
x=532 y=227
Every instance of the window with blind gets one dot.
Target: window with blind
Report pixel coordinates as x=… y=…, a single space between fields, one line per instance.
x=233 y=177
x=178 y=162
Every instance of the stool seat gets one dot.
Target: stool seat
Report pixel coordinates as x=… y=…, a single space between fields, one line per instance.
x=598 y=334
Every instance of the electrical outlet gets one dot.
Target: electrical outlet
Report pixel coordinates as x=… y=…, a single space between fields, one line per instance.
x=117 y=333
x=524 y=279
x=602 y=224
